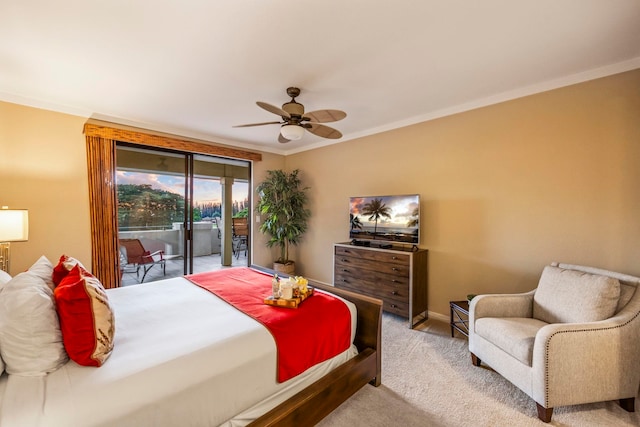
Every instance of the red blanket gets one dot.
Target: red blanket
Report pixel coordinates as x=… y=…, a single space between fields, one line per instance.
x=319 y=329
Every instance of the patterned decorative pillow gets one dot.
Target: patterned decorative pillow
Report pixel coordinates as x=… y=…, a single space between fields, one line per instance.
x=571 y=296
x=86 y=318
x=64 y=266
x=30 y=338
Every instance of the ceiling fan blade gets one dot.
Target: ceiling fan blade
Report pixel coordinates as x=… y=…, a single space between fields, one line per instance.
x=323 y=131
x=325 y=116
x=257 y=124
x=282 y=139
x=273 y=109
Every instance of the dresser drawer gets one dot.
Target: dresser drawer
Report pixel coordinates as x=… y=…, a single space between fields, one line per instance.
x=395 y=308
x=390 y=304
x=373 y=255
x=378 y=288
x=378 y=266
x=372 y=275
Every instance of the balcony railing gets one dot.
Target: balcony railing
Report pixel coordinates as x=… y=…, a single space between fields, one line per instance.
x=205 y=239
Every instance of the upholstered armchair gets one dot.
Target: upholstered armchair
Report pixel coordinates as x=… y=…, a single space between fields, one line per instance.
x=574 y=339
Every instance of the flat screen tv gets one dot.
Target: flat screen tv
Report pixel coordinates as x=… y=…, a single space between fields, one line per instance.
x=385 y=218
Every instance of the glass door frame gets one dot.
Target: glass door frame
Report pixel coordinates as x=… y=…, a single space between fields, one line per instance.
x=189 y=174
x=100 y=144
x=188 y=215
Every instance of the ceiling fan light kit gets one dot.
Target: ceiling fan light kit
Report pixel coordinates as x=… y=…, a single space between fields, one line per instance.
x=292 y=132
x=295 y=121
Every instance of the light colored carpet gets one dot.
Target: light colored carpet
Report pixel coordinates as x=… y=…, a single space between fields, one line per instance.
x=428 y=380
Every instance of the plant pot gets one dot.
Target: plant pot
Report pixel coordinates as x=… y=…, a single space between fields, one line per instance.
x=288 y=268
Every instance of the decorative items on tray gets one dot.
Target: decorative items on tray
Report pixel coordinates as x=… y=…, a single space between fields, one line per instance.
x=288 y=292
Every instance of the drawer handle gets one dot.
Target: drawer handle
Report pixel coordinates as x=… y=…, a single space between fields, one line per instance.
x=394 y=281
x=394 y=257
x=394 y=292
x=345 y=260
x=345 y=270
x=393 y=306
x=394 y=269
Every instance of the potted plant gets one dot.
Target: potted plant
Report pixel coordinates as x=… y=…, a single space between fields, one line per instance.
x=283 y=207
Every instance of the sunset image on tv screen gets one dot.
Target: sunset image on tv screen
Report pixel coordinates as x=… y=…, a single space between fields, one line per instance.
x=392 y=218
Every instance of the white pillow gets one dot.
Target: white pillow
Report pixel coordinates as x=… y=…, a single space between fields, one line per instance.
x=43 y=269
x=4 y=278
x=30 y=337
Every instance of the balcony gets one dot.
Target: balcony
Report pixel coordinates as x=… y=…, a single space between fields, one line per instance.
x=206 y=251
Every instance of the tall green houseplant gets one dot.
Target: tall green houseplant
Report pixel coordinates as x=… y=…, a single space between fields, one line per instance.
x=282 y=204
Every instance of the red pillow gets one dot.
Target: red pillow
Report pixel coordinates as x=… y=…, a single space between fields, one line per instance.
x=86 y=318
x=65 y=264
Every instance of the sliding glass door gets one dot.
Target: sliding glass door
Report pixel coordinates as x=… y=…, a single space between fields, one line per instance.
x=171 y=212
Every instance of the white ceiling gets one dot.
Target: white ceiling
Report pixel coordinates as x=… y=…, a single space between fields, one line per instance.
x=197 y=67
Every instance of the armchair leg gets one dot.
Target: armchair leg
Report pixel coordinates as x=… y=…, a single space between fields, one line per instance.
x=628 y=404
x=544 y=413
x=475 y=360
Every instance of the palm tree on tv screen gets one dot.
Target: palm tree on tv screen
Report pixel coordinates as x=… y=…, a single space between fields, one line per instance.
x=413 y=222
x=376 y=210
x=355 y=222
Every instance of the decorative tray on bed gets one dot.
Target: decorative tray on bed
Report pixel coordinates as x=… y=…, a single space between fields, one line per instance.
x=289 y=303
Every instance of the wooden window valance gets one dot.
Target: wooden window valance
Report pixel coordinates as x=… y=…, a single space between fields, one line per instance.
x=151 y=139
x=101 y=141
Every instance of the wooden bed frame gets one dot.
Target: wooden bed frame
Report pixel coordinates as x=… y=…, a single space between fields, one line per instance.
x=318 y=400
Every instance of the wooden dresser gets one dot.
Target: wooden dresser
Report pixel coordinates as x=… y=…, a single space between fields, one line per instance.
x=397 y=276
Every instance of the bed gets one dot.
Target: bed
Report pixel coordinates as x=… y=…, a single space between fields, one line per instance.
x=183 y=356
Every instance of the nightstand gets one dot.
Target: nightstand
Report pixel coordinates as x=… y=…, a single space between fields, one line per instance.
x=459 y=315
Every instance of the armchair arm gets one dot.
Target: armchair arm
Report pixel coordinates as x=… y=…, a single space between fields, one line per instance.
x=499 y=305
x=576 y=363
x=150 y=257
x=502 y=305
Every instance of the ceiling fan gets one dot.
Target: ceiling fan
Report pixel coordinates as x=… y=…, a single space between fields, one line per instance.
x=295 y=120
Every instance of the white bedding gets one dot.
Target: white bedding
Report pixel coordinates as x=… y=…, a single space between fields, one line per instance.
x=181 y=357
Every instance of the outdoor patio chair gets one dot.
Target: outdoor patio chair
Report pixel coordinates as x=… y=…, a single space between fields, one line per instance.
x=240 y=230
x=218 y=222
x=140 y=258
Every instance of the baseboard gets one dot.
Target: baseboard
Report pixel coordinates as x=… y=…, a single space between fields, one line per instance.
x=439 y=317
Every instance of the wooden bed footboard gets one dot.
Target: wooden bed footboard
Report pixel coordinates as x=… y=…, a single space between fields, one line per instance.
x=315 y=402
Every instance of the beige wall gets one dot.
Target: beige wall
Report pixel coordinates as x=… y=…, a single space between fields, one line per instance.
x=504 y=189
x=43 y=168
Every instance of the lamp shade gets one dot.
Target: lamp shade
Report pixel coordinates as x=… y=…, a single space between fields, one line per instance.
x=292 y=132
x=14 y=225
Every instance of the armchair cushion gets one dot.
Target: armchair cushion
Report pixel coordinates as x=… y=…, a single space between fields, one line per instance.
x=514 y=335
x=570 y=296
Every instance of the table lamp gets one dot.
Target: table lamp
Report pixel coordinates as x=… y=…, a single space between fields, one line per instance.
x=14 y=227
